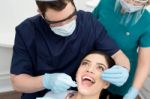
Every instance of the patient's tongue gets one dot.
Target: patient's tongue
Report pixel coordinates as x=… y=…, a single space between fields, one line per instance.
x=87 y=83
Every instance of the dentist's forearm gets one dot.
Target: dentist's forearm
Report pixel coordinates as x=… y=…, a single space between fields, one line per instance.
x=121 y=59
x=26 y=83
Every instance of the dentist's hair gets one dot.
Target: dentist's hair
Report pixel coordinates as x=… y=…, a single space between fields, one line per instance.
x=57 y=5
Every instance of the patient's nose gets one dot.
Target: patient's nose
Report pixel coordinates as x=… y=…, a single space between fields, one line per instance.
x=90 y=69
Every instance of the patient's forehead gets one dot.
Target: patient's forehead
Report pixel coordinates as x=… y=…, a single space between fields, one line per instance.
x=96 y=58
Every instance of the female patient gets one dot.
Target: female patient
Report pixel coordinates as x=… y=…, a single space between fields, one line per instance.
x=90 y=85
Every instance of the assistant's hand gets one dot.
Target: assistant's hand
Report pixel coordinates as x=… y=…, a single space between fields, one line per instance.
x=116 y=75
x=131 y=94
x=58 y=82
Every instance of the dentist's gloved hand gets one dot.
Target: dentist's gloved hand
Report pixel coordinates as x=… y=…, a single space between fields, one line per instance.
x=58 y=82
x=131 y=94
x=116 y=75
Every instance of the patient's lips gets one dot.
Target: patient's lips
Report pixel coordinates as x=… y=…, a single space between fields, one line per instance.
x=87 y=80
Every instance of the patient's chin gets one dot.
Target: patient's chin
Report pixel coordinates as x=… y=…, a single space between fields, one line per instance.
x=88 y=88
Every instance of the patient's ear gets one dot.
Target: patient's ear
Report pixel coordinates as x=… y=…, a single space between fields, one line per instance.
x=106 y=85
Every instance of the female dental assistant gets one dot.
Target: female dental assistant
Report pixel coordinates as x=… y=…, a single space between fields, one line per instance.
x=49 y=46
x=128 y=23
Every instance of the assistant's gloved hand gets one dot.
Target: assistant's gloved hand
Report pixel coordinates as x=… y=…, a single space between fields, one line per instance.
x=58 y=82
x=116 y=75
x=131 y=94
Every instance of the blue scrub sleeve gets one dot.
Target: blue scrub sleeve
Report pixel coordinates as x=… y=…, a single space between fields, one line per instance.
x=103 y=41
x=21 y=61
x=145 y=38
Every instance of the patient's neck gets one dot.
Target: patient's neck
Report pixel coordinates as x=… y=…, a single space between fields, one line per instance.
x=80 y=96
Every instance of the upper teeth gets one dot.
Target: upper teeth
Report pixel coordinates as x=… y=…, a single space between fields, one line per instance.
x=91 y=79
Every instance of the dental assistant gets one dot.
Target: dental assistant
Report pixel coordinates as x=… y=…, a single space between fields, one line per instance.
x=128 y=23
x=49 y=47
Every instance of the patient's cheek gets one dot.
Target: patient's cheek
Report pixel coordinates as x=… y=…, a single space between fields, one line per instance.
x=100 y=73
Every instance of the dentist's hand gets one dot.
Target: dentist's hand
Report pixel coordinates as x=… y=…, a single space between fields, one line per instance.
x=131 y=94
x=58 y=82
x=116 y=75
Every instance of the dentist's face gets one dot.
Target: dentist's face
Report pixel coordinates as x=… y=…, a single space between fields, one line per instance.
x=59 y=18
x=88 y=75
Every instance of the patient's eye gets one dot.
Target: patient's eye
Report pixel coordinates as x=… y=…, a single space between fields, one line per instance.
x=101 y=68
x=84 y=63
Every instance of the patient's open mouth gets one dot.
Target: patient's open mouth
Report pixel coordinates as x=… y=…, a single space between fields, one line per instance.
x=88 y=81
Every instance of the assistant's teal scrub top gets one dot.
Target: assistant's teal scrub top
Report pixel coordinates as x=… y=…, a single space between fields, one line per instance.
x=128 y=37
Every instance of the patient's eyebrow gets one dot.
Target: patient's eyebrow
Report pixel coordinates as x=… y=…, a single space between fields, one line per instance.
x=86 y=60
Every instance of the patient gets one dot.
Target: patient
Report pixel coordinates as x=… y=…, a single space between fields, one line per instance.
x=89 y=83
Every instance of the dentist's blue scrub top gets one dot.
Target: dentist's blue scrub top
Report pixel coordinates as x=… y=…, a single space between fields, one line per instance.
x=37 y=50
x=128 y=37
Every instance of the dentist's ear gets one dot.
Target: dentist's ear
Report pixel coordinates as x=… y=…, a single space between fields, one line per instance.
x=106 y=85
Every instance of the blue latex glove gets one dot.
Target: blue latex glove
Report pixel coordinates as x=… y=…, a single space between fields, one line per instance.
x=131 y=94
x=58 y=82
x=116 y=75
